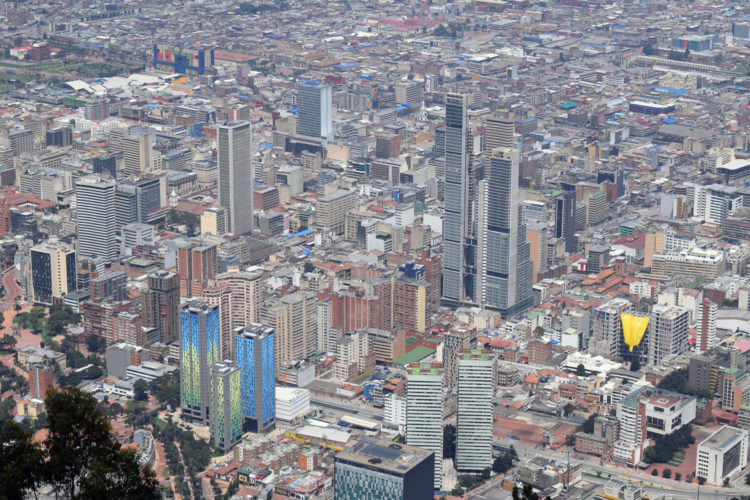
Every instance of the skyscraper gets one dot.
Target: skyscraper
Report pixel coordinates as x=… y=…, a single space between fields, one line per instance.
x=199 y=349
x=459 y=266
x=565 y=219
x=474 y=413
x=236 y=174
x=498 y=133
x=705 y=337
x=161 y=305
x=607 y=337
x=53 y=271
x=314 y=100
x=506 y=265
x=254 y=355
x=424 y=412
x=95 y=218
x=225 y=415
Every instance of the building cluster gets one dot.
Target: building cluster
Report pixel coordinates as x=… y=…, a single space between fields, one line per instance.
x=347 y=225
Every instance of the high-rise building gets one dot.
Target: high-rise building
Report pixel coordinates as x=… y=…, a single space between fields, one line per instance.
x=220 y=296
x=536 y=235
x=105 y=163
x=95 y=218
x=246 y=297
x=137 y=153
x=387 y=145
x=460 y=281
x=607 y=338
x=196 y=264
x=226 y=413
x=53 y=271
x=705 y=337
x=455 y=340
x=668 y=332
x=565 y=219
x=141 y=199
x=253 y=351
x=161 y=305
x=498 y=133
x=236 y=174
x=41 y=379
x=507 y=267
x=199 y=349
x=474 y=414
x=424 y=412
x=294 y=319
x=373 y=469
x=314 y=108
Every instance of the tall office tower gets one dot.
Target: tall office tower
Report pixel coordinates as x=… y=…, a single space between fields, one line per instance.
x=536 y=235
x=705 y=337
x=161 y=305
x=459 y=241
x=137 y=153
x=53 y=271
x=294 y=319
x=455 y=340
x=236 y=174
x=328 y=334
x=498 y=133
x=253 y=351
x=196 y=264
x=607 y=338
x=565 y=219
x=476 y=385
x=668 y=332
x=225 y=416
x=507 y=268
x=246 y=297
x=314 y=100
x=110 y=285
x=199 y=349
x=95 y=218
x=220 y=296
x=105 y=163
x=140 y=200
x=376 y=469
x=41 y=379
x=424 y=412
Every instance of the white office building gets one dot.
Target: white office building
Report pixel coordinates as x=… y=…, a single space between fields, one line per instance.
x=474 y=418
x=722 y=454
x=291 y=402
x=424 y=412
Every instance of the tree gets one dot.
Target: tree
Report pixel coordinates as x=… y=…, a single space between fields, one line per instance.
x=9 y=341
x=654 y=472
x=568 y=409
x=84 y=459
x=21 y=461
x=449 y=441
x=666 y=473
x=677 y=476
x=701 y=480
x=139 y=390
x=94 y=343
x=747 y=479
x=726 y=482
x=581 y=370
x=635 y=365
x=504 y=462
x=649 y=49
x=588 y=426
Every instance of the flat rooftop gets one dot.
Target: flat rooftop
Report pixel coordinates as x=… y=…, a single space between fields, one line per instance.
x=383 y=455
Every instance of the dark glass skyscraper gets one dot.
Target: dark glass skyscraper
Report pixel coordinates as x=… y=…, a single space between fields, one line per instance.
x=486 y=256
x=506 y=260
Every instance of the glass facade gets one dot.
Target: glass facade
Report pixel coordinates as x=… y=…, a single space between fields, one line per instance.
x=254 y=353
x=199 y=335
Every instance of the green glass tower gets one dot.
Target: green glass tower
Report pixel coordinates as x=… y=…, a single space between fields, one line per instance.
x=226 y=405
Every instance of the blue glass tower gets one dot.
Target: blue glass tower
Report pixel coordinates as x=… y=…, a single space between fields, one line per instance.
x=199 y=350
x=253 y=349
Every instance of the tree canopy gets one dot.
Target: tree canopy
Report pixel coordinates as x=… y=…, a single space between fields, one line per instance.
x=79 y=458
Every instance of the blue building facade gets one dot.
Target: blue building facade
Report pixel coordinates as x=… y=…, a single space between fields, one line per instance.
x=199 y=350
x=254 y=355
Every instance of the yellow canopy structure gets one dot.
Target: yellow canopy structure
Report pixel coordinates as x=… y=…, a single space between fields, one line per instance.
x=633 y=328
